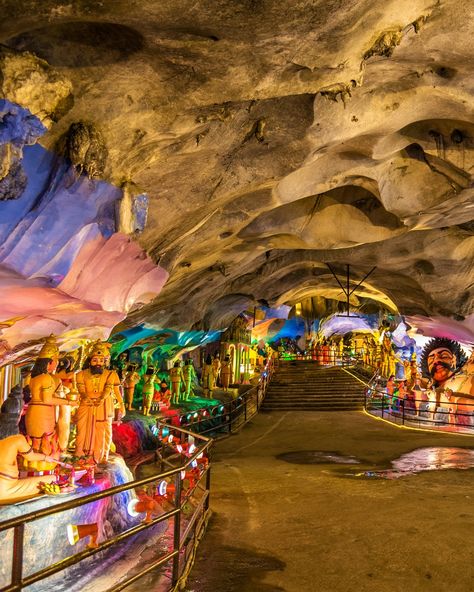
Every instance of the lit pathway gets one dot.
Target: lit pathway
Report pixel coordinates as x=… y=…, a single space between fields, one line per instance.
x=282 y=526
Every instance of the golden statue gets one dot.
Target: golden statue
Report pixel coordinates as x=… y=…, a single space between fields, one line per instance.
x=216 y=366
x=226 y=373
x=132 y=378
x=176 y=376
x=207 y=377
x=67 y=376
x=189 y=374
x=98 y=389
x=12 y=488
x=46 y=393
x=148 y=390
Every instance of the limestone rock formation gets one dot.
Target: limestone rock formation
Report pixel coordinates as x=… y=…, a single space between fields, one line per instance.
x=270 y=139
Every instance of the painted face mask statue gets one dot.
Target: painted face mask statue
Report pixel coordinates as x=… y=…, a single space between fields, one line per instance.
x=441 y=359
x=99 y=388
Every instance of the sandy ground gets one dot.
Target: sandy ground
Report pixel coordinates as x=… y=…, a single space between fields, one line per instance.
x=297 y=527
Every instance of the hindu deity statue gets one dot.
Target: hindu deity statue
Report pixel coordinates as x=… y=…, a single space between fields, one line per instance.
x=148 y=390
x=388 y=356
x=189 y=374
x=216 y=365
x=46 y=395
x=176 y=376
x=132 y=378
x=207 y=377
x=99 y=388
x=226 y=373
x=441 y=359
x=68 y=379
x=162 y=396
x=12 y=488
x=462 y=386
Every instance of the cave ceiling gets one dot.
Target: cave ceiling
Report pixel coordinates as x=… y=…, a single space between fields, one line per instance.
x=264 y=139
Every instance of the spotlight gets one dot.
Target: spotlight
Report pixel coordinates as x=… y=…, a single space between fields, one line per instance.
x=76 y=532
x=143 y=505
x=162 y=487
x=190 y=478
x=186 y=448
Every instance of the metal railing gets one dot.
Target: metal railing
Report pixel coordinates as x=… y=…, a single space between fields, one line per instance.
x=434 y=411
x=195 y=525
x=331 y=358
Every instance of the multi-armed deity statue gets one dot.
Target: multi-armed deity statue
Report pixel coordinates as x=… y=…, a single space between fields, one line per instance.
x=99 y=388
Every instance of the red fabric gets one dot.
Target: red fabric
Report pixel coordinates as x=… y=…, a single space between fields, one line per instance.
x=126 y=440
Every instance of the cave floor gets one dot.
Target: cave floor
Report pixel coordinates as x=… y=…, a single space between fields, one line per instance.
x=307 y=502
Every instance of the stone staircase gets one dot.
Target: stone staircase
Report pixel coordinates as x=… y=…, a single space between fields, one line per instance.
x=305 y=386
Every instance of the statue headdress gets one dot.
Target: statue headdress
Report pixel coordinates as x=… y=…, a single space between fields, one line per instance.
x=50 y=348
x=101 y=348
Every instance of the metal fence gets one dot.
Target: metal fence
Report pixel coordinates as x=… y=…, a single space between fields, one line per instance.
x=433 y=411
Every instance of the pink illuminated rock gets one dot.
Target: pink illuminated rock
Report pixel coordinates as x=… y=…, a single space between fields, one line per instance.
x=108 y=277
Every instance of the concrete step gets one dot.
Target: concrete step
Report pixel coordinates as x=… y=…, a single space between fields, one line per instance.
x=309 y=397
x=304 y=386
x=311 y=408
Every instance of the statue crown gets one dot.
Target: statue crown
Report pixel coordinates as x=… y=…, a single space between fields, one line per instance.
x=50 y=348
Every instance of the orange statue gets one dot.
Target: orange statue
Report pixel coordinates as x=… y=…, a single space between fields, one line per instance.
x=176 y=376
x=207 y=377
x=13 y=489
x=132 y=378
x=45 y=388
x=67 y=377
x=226 y=373
x=216 y=366
x=98 y=389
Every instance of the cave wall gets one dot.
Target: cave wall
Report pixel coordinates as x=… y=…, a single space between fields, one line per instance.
x=175 y=165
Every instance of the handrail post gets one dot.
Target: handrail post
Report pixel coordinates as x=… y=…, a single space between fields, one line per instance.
x=17 y=560
x=402 y=403
x=208 y=481
x=177 y=529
